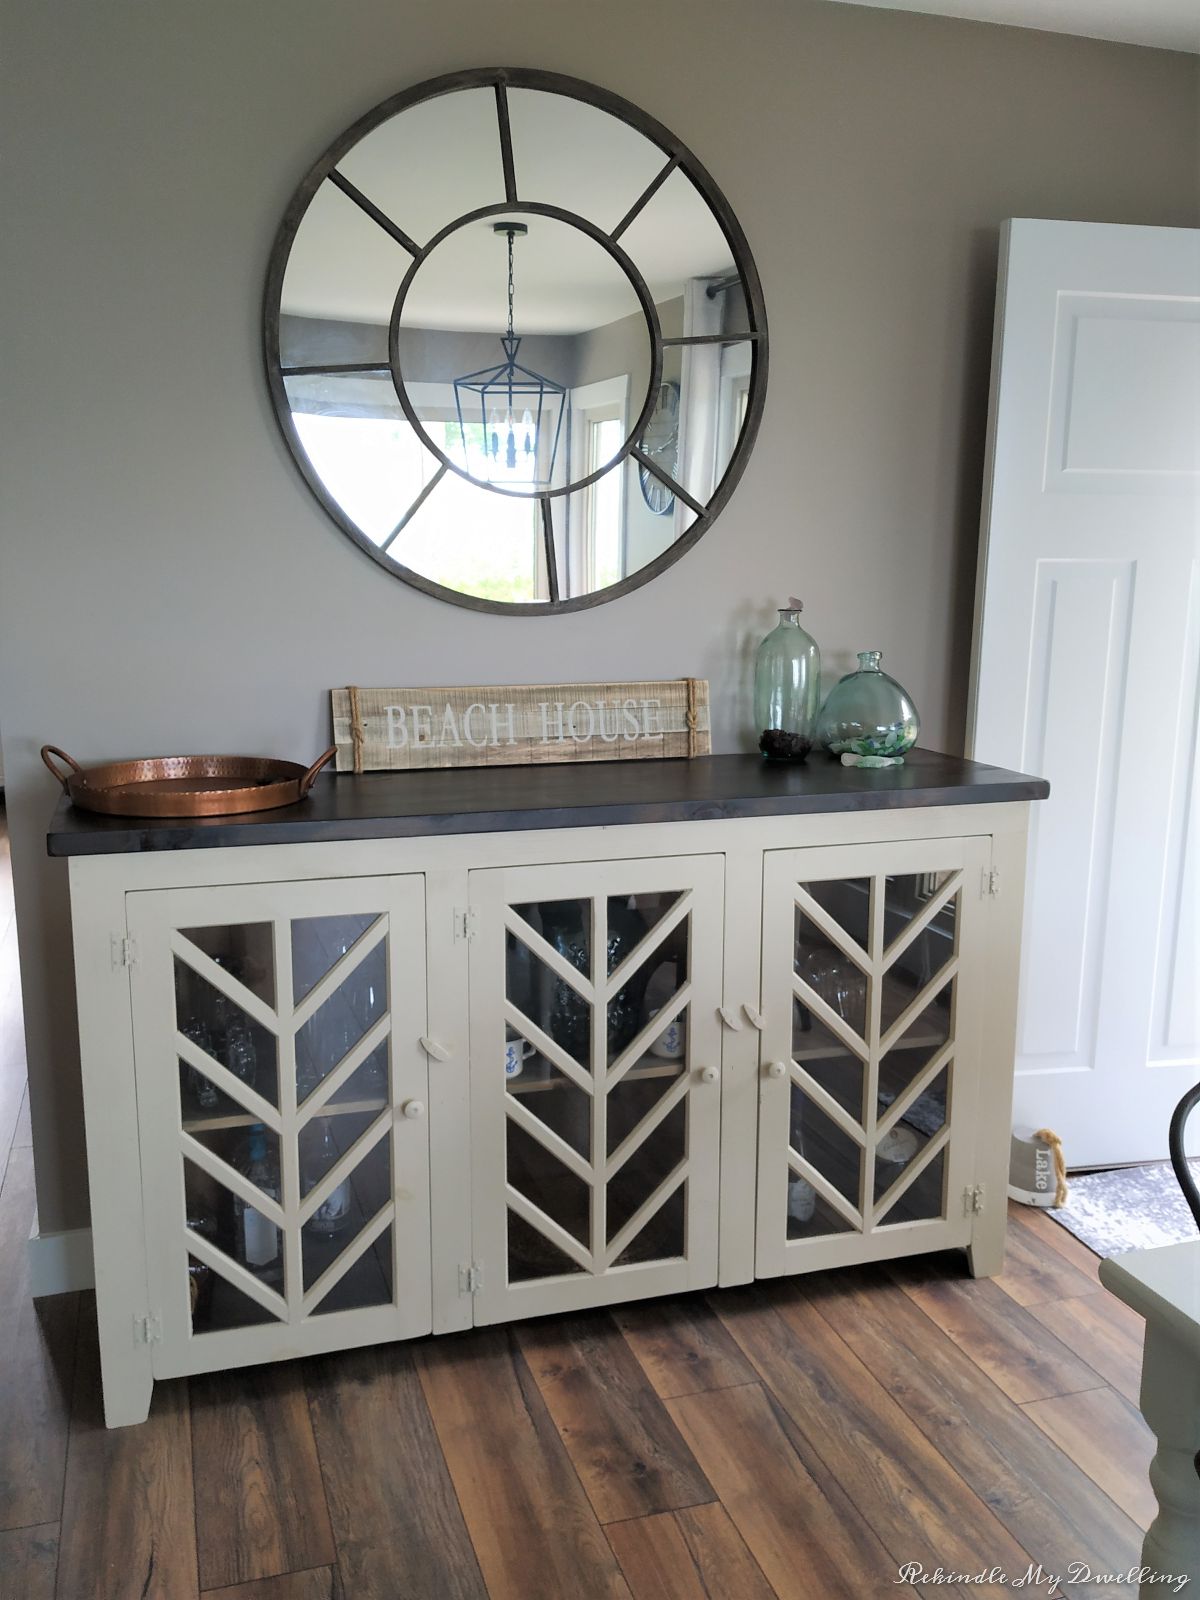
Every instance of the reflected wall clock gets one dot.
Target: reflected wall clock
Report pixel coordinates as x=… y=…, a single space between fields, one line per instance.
x=661 y=443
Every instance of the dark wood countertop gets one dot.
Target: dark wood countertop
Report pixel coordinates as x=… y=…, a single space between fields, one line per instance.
x=400 y=805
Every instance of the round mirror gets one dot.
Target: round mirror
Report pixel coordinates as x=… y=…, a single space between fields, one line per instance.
x=515 y=341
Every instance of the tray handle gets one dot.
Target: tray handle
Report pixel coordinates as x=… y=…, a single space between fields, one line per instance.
x=49 y=750
x=306 y=782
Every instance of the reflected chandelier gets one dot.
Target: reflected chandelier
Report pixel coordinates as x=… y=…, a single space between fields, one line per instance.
x=513 y=404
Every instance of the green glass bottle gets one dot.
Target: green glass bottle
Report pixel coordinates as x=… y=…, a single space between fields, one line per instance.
x=868 y=713
x=787 y=688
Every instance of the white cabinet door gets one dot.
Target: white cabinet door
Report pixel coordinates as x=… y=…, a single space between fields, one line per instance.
x=281 y=1103
x=595 y=1069
x=1087 y=668
x=872 y=966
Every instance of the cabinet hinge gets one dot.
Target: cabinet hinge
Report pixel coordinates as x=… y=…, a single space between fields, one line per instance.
x=147 y=1328
x=465 y=918
x=470 y=1278
x=972 y=1199
x=990 y=886
x=124 y=951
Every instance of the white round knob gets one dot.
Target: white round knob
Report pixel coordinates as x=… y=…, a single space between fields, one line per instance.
x=414 y=1109
x=709 y=1074
x=776 y=1070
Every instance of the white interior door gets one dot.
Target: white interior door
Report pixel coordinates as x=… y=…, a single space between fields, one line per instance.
x=872 y=965
x=281 y=1112
x=1087 y=667
x=595 y=1081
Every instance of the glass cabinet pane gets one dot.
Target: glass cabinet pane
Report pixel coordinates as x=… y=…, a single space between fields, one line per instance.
x=830 y=957
x=872 y=1036
x=225 y=1033
x=818 y=1140
x=545 y=998
x=245 y=950
x=234 y=1227
x=350 y=1205
x=596 y=1145
x=233 y=1026
x=337 y=1026
x=319 y=943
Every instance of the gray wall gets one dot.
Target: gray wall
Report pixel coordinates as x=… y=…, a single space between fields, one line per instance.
x=168 y=581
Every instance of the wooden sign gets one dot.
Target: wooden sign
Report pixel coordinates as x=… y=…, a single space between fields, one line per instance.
x=504 y=725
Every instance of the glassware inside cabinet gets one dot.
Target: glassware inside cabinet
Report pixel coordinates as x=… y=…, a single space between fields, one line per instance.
x=319 y=943
x=873 y=1004
x=592 y=1062
x=837 y=1157
x=347 y=1207
x=217 y=1304
x=830 y=961
x=233 y=1226
x=221 y=1031
x=243 y=949
x=342 y=1021
x=916 y=1052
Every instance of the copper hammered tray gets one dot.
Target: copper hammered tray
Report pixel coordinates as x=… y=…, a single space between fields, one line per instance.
x=185 y=786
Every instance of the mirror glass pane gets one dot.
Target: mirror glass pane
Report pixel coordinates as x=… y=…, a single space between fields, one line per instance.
x=222 y=1031
x=361 y=446
x=472 y=540
x=431 y=163
x=342 y=268
x=550 y=417
x=570 y=154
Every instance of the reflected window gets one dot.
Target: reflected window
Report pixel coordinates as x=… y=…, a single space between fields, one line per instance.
x=371 y=463
x=368 y=464
x=604 y=553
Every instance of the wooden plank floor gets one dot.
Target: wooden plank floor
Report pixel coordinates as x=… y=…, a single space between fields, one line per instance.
x=795 y=1439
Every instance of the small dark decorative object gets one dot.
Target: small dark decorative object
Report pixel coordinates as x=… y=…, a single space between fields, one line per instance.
x=1179 y=1158
x=777 y=744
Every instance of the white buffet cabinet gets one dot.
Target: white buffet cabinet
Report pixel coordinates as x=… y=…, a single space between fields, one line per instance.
x=355 y=1089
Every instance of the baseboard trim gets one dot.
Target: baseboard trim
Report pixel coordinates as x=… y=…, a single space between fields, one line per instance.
x=60 y=1262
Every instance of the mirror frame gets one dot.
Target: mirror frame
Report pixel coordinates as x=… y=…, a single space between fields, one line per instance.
x=676 y=156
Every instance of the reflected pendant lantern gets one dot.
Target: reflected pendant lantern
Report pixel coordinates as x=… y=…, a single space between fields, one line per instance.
x=515 y=439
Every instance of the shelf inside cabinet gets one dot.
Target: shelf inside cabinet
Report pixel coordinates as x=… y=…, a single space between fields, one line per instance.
x=198 y=1123
x=538 y=1074
x=818 y=1043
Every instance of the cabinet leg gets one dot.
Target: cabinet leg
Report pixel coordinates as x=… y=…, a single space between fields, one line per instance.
x=985 y=1260
x=985 y=1253
x=126 y=1370
x=1171 y=1405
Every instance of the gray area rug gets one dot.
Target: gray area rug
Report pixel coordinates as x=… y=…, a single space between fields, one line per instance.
x=1135 y=1208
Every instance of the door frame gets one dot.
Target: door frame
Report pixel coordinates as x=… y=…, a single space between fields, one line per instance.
x=775 y=1253
x=1087 y=613
x=152 y=917
x=492 y=890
